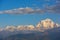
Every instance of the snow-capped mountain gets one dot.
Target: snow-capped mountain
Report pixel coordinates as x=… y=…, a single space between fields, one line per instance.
x=46 y=24
x=41 y=26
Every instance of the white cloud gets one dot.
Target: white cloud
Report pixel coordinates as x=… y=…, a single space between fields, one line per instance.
x=26 y=10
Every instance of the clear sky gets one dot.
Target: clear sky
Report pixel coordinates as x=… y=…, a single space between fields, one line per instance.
x=21 y=19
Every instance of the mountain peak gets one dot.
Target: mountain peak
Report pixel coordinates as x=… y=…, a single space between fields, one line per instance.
x=46 y=24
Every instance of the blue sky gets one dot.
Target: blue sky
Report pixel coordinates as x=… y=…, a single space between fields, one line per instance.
x=21 y=19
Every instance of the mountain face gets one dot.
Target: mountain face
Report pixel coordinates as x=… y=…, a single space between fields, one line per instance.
x=51 y=34
x=46 y=24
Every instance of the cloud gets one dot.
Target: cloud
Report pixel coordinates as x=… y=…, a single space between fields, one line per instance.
x=26 y=10
x=53 y=8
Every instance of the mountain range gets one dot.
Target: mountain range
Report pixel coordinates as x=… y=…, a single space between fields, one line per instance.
x=44 y=30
